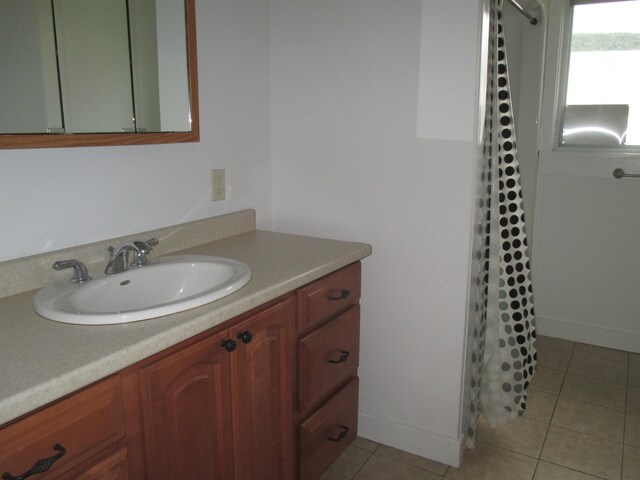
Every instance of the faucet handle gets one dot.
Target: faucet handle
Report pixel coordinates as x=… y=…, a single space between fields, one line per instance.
x=142 y=249
x=80 y=273
x=152 y=242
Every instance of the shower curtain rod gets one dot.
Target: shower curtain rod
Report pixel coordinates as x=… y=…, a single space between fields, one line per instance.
x=532 y=20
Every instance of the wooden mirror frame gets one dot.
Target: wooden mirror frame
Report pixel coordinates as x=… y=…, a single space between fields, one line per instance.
x=43 y=140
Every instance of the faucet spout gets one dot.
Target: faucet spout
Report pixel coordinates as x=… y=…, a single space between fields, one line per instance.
x=119 y=259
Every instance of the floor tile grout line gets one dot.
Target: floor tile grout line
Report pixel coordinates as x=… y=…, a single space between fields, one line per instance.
x=572 y=469
x=411 y=464
x=626 y=413
x=371 y=453
x=555 y=406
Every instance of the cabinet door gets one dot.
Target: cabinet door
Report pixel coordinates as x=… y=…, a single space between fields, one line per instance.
x=261 y=372
x=186 y=405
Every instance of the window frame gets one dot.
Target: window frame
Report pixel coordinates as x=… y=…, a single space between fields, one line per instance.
x=559 y=30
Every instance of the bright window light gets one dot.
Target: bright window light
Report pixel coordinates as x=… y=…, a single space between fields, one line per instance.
x=604 y=75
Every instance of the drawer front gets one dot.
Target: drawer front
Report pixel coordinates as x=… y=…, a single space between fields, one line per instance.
x=82 y=424
x=328 y=296
x=328 y=356
x=325 y=434
x=113 y=467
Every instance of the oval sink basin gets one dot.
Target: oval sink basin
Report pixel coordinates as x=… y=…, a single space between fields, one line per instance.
x=168 y=285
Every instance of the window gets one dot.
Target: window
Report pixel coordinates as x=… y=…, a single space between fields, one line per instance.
x=602 y=103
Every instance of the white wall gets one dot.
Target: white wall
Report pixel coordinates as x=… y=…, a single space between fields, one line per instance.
x=333 y=103
x=56 y=198
x=586 y=258
x=347 y=164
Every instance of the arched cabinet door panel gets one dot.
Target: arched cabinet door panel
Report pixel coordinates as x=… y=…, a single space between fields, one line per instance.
x=261 y=372
x=186 y=405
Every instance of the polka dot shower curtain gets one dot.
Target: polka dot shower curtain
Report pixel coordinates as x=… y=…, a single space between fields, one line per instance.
x=503 y=348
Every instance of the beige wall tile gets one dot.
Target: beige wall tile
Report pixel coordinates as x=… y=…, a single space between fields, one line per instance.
x=486 y=462
x=585 y=453
x=589 y=418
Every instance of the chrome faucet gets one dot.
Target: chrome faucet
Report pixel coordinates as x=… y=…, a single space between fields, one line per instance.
x=80 y=274
x=119 y=258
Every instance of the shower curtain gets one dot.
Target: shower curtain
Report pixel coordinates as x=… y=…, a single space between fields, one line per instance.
x=503 y=352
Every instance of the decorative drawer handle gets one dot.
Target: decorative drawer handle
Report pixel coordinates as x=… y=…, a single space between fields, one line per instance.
x=343 y=295
x=341 y=435
x=40 y=466
x=246 y=337
x=344 y=355
x=229 y=345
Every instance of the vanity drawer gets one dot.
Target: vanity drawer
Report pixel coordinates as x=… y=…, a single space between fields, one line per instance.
x=83 y=424
x=328 y=296
x=328 y=356
x=325 y=434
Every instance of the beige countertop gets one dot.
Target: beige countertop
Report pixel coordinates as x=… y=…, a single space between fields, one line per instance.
x=42 y=360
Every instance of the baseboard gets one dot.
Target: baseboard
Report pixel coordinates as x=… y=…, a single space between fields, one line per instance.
x=418 y=441
x=579 y=332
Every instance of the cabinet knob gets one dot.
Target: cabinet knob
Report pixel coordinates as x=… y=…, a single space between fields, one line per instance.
x=40 y=466
x=229 y=345
x=341 y=296
x=344 y=356
x=341 y=435
x=246 y=337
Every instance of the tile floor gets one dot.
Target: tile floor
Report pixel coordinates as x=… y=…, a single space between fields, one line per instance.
x=582 y=423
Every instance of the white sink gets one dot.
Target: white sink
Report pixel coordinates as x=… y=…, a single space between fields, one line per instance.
x=168 y=285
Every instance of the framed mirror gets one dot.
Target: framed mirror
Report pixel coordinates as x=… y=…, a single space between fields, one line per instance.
x=97 y=72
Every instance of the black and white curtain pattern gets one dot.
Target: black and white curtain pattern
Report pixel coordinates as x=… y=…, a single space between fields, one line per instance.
x=503 y=349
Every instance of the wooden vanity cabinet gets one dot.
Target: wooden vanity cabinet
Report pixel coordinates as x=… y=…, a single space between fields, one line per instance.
x=221 y=408
x=271 y=394
x=327 y=354
x=80 y=436
x=186 y=407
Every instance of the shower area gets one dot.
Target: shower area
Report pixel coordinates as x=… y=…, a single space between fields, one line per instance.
x=579 y=197
x=580 y=410
x=581 y=219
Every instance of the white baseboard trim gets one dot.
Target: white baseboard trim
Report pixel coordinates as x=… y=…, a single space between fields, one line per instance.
x=594 y=335
x=418 y=441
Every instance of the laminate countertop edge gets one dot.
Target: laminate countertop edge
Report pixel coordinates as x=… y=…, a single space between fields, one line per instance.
x=42 y=360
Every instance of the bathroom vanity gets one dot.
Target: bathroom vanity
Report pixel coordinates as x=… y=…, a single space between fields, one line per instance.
x=261 y=384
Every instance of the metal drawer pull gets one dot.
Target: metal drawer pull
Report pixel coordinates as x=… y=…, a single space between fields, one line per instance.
x=229 y=345
x=620 y=173
x=40 y=466
x=341 y=435
x=344 y=355
x=246 y=337
x=343 y=295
